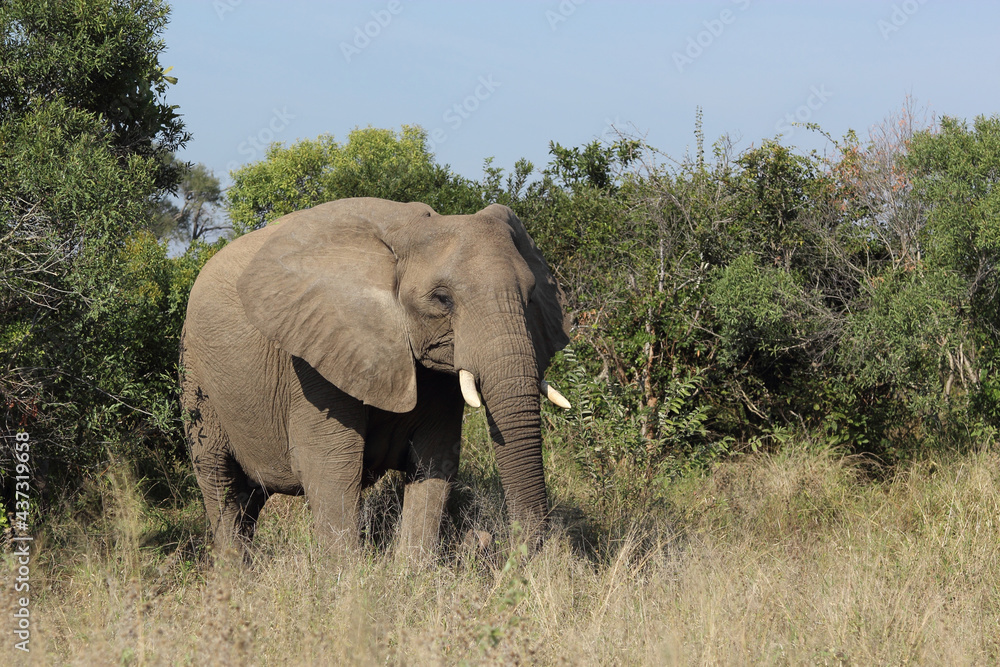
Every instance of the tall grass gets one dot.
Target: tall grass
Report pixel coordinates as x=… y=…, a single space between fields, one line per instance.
x=800 y=557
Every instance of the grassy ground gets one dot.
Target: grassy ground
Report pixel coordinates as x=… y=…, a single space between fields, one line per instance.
x=792 y=558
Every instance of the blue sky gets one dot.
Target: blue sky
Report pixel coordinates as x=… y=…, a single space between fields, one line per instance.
x=503 y=79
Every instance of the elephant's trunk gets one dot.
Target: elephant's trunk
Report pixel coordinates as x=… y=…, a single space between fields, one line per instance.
x=515 y=427
x=508 y=378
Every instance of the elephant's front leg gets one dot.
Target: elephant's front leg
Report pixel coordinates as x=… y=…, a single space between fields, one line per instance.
x=432 y=465
x=326 y=448
x=331 y=482
x=423 y=506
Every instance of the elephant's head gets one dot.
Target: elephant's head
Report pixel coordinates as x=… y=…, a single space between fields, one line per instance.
x=364 y=289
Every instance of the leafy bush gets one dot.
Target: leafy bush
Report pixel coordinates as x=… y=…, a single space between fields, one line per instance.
x=373 y=163
x=91 y=307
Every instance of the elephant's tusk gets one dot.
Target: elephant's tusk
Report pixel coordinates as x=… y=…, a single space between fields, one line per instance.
x=467 y=381
x=550 y=392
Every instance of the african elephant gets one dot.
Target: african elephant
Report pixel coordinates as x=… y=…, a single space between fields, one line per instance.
x=339 y=342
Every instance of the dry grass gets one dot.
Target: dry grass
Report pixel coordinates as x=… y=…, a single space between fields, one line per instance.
x=774 y=559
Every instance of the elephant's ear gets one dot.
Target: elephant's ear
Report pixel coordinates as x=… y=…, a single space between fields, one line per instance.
x=548 y=322
x=323 y=288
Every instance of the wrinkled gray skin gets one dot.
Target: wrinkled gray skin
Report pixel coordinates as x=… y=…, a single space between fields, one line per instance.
x=323 y=350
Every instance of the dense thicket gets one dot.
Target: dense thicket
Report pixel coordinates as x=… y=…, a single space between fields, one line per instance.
x=722 y=302
x=728 y=303
x=90 y=306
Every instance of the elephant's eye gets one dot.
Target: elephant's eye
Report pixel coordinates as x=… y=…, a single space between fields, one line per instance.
x=443 y=299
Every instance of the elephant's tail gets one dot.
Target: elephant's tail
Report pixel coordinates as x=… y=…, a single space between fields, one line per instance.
x=181 y=350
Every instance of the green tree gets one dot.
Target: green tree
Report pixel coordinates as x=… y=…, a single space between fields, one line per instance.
x=956 y=171
x=622 y=265
x=90 y=307
x=373 y=163
x=200 y=195
x=98 y=56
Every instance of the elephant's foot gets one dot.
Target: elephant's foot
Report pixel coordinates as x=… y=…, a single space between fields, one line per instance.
x=423 y=506
x=337 y=540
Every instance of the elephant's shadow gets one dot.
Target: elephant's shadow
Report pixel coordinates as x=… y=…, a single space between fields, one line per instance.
x=474 y=504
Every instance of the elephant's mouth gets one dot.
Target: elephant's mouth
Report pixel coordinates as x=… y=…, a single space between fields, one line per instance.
x=439 y=355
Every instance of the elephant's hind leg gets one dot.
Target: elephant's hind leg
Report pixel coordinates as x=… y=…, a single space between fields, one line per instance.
x=232 y=500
